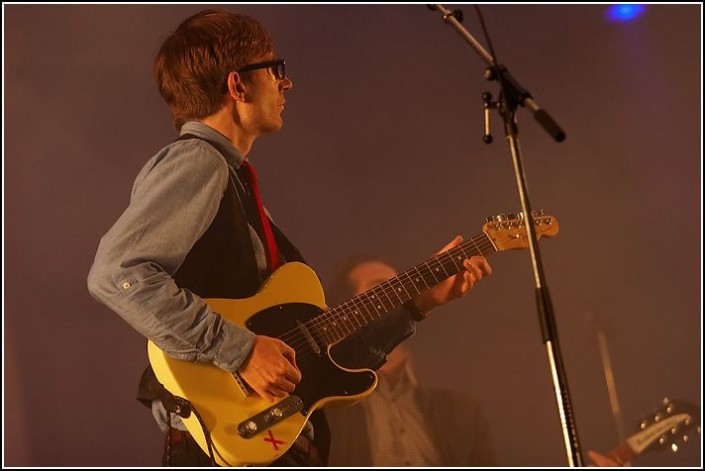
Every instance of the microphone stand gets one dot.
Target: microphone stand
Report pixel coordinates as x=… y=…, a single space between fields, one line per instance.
x=512 y=95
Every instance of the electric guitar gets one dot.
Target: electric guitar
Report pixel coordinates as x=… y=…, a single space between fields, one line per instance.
x=234 y=424
x=664 y=429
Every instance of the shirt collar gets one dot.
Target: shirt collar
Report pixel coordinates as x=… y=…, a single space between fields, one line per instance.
x=222 y=143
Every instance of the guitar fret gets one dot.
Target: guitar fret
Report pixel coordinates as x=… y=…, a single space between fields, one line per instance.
x=435 y=272
x=453 y=265
x=457 y=258
x=372 y=298
x=336 y=329
x=404 y=281
x=381 y=299
x=397 y=291
x=409 y=285
x=462 y=249
x=478 y=248
x=322 y=329
x=422 y=278
x=454 y=268
x=345 y=323
x=367 y=311
x=418 y=279
x=359 y=315
x=442 y=264
x=401 y=282
x=356 y=315
x=430 y=270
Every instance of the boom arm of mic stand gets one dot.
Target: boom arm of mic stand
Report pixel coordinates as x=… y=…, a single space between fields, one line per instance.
x=517 y=94
x=514 y=95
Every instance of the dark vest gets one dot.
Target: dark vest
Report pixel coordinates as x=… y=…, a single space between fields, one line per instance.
x=222 y=264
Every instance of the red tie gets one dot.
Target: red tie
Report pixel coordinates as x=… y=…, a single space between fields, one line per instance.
x=273 y=260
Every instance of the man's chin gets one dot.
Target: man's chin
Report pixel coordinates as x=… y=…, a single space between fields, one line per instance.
x=274 y=127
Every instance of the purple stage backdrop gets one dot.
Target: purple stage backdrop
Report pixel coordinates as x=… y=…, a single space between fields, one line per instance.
x=381 y=151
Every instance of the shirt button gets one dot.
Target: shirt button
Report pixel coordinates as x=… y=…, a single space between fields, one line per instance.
x=126 y=285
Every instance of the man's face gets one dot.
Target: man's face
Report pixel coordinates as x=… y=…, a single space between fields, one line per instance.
x=369 y=274
x=266 y=97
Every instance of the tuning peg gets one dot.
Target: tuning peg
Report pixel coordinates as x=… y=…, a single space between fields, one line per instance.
x=511 y=216
x=537 y=212
x=520 y=215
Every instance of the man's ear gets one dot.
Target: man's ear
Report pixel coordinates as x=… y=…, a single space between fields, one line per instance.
x=236 y=86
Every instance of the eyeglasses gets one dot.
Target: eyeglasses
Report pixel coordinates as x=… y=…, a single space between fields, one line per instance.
x=278 y=67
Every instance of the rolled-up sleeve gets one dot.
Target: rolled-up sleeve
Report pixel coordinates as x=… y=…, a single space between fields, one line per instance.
x=174 y=200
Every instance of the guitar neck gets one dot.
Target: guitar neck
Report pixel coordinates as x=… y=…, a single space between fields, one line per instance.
x=342 y=321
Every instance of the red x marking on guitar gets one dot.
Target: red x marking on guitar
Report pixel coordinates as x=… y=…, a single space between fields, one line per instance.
x=274 y=441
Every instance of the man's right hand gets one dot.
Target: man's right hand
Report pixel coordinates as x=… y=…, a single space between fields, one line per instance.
x=271 y=369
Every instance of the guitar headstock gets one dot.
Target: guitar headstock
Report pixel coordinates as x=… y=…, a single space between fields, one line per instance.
x=667 y=427
x=508 y=231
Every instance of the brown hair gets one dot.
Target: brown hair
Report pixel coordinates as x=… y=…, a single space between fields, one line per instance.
x=192 y=66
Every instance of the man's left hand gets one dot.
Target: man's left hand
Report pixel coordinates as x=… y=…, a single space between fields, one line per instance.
x=457 y=286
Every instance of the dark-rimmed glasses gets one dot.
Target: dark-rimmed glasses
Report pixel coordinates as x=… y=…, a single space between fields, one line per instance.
x=278 y=67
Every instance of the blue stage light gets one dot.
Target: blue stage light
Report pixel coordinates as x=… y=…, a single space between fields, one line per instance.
x=625 y=12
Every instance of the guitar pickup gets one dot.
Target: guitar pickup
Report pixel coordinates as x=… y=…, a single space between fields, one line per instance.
x=270 y=416
x=309 y=338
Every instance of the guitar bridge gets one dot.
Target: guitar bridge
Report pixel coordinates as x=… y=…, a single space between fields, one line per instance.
x=270 y=416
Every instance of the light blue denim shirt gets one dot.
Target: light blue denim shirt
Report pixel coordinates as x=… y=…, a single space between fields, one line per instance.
x=174 y=200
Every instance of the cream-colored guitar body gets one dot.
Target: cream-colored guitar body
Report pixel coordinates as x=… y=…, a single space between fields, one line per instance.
x=224 y=403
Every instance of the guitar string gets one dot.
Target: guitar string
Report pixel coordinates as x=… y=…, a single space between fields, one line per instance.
x=300 y=341
x=372 y=304
x=372 y=301
x=341 y=312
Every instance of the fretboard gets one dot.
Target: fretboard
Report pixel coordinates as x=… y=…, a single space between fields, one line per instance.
x=344 y=320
